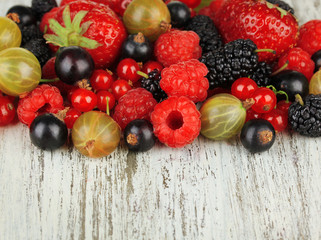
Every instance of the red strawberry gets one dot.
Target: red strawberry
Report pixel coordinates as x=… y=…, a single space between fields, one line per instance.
x=117 y=6
x=310 y=36
x=267 y=25
x=90 y=25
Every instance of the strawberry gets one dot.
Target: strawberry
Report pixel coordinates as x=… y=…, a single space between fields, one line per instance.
x=310 y=36
x=117 y=6
x=90 y=25
x=267 y=25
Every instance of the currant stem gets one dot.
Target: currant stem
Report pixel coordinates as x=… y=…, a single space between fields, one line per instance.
x=299 y=99
x=144 y=75
x=49 y=80
x=281 y=69
x=265 y=50
x=107 y=106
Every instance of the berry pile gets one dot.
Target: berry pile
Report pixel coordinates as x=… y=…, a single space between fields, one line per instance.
x=158 y=71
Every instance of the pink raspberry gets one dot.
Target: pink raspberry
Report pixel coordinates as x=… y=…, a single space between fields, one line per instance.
x=298 y=60
x=176 y=121
x=177 y=46
x=186 y=79
x=137 y=103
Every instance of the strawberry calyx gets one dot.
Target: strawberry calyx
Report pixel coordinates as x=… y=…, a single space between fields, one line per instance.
x=72 y=33
x=281 y=10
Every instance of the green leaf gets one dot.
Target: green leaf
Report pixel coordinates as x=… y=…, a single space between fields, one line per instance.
x=77 y=20
x=204 y=3
x=57 y=28
x=84 y=27
x=66 y=16
x=55 y=40
x=88 y=43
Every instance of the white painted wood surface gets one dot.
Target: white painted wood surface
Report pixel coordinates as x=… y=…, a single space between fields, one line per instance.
x=208 y=190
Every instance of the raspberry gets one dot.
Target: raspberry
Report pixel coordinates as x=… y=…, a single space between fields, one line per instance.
x=177 y=46
x=310 y=36
x=176 y=121
x=43 y=99
x=137 y=103
x=186 y=79
x=298 y=60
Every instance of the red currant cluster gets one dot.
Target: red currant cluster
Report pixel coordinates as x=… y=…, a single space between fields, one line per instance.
x=265 y=104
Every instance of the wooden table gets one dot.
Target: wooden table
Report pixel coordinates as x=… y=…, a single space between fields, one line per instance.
x=207 y=190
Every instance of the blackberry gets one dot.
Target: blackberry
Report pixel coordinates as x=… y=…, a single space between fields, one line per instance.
x=40 y=49
x=210 y=39
x=306 y=118
x=262 y=74
x=282 y=5
x=30 y=32
x=151 y=84
x=40 y=7
x=235 y=60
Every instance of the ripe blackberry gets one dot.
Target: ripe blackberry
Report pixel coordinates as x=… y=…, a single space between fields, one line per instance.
x=151 y=84
x=40 y=7
x=262 y=74
x=29 y=32
x=210 y=39
x=235 y=60
x=282 y=5
x=305 y=118
x=40 y=49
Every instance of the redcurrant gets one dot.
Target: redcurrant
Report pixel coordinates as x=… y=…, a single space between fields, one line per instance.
x=251 y=114
x=71 y=116
x=120 y=88
x=7 y=111
x=152 y=65
x=283 y=106
x=265 y=100
x=102 y=97
x=243 y=88
x=127 y=69
x=277 y=118
x=84 y=100
x=101 y=80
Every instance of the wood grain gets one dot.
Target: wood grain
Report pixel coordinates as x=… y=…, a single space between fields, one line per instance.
x=207 y=190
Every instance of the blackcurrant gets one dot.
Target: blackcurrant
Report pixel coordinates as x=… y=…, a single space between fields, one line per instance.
x=257 y=135
x=48 y=132
x=180 y=13
x=316 y=57
x=73 y=64
x=139 y=136
x=291 y=82
x=137 y=47
x=25 y=14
